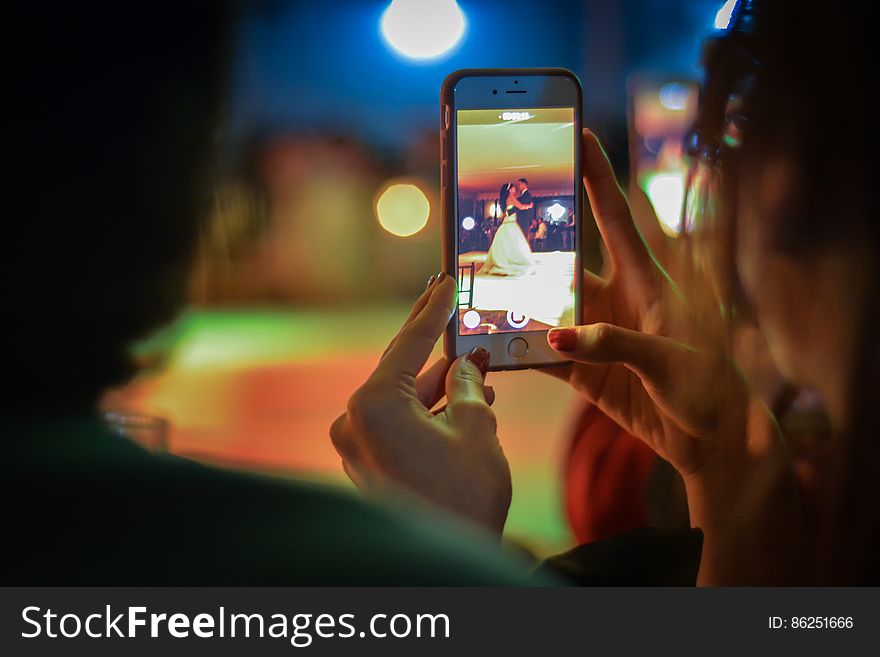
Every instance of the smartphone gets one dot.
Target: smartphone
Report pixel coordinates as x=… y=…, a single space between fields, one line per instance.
x=511 y=204
x=662 y=111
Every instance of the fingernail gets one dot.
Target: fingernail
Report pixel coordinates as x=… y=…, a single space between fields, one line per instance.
x=479 y=357
x=430 y=281
x=440 y=276
x=564 y=339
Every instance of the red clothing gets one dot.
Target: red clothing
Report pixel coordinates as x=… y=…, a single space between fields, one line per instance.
x=606 y=473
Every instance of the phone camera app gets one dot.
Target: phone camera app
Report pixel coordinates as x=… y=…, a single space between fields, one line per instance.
x=516 y=219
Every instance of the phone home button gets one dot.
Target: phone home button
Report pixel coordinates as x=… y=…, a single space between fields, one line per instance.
x=517 y=348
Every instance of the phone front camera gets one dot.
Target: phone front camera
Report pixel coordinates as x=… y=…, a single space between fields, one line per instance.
x=494 y=92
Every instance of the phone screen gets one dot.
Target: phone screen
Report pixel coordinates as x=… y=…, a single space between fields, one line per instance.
x=516 y=220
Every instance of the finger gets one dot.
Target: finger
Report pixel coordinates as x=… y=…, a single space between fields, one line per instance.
x=647 y=355
x=648 y=223
x=414 y=311
x=412 y=347
x=488 y=391
x=591 y=285
x=465 y=390
x=430 y=384
x=625 y=246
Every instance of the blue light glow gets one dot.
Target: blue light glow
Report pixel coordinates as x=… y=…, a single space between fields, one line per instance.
x=674 y=96
x=423 y=29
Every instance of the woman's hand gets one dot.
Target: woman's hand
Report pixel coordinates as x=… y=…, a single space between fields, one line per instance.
x=654 y=364
x=389 y=433
x=637 y=357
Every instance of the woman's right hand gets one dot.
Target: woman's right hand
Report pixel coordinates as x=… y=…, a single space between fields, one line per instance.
x=641 y=358
x=637 y=356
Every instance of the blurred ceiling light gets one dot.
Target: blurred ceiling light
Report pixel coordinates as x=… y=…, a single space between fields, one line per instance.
x=666 y=192
x=674 y=96
x=423 y=29
x=468 y=223
x=556 y=211
x=402 y=209
x=722 y=18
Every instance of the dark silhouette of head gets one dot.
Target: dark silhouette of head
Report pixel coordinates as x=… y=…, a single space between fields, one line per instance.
x=122 y=108
x=807 y=131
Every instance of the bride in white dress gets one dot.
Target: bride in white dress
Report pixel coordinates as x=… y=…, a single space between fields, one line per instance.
x=509 y=254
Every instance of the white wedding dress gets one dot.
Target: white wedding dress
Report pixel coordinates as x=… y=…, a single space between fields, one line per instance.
x=509 y=253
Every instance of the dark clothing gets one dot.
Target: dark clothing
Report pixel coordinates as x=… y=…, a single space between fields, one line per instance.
x=85 y=507
x=641 y=557
x=525 y=217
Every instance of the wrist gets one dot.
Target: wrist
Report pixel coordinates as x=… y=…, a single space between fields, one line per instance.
x=740 y=497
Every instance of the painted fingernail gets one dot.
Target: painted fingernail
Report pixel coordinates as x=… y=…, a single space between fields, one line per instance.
x=564 y=339
x=430 y=281
x=479 y=357
x=440 y=276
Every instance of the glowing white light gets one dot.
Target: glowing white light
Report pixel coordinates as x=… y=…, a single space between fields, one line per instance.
x=674 y=96
x=666 y=192
x=493 y=210
x=423 y=29
x=556 y=211
x=471 y=319
x=402 y=209
x=722 y=18
x=468 y=223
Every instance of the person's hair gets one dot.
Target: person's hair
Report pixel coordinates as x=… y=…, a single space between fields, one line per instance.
x=810 y=104
x=524 y=181
x=122 y=103
x=503 y=196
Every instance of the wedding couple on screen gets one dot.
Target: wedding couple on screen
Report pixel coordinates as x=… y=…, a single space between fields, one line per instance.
x=510 y=253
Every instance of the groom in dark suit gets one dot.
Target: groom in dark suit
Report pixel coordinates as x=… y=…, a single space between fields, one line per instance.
x=525 y=216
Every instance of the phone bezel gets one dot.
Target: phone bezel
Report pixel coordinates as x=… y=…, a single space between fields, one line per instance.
x=472 y=89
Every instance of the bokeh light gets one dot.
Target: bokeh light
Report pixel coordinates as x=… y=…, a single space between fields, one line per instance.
x=666 y=192
x=722 y=18
x=423 y=29
x=556 y=211
x=674 y=96
x=402 y=209
x=468 y=223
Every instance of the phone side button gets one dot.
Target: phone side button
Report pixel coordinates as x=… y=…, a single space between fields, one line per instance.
x=517 y=348
x=443 y=175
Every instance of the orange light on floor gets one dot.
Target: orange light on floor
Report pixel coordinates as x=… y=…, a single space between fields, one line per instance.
x=402 y=209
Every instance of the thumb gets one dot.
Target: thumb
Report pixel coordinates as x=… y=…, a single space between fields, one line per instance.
x=649 y=356
x=465 y=391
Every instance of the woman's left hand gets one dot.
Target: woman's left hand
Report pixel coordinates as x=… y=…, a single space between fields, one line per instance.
x=389 y=433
